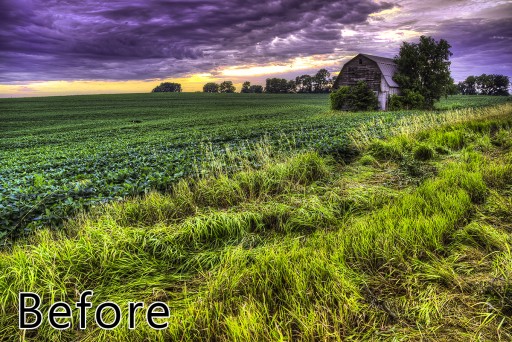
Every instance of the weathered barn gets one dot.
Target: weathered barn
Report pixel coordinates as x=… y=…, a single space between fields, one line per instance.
x=376 y=71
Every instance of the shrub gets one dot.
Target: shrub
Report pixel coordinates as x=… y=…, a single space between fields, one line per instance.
x=356 y=98
x=340 y=97
x=409 y=100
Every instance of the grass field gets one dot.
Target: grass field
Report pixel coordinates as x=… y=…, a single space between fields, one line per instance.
x=407 y=240
x=60 y=154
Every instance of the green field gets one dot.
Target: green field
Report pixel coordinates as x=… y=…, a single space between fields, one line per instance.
x=369 y=226
x=60 y=154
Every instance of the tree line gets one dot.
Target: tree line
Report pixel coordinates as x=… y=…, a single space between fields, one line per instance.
x=321 y=82
x=485 y=85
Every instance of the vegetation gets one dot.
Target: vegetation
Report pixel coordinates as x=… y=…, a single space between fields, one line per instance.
x=424 y=68
x=211 y=87
x=319 y=83
x=227 y=87
x=496 y=85
x=409 y=100
x=408 y=241
x=279 y=86
x=167 y=87
x=357 y=98
x=247 y=88
x=62 y=154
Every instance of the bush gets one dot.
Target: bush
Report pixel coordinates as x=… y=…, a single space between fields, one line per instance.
x=356 y=98
x=409 y=100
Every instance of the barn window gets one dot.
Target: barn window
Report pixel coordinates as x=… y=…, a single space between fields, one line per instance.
x=360 y=61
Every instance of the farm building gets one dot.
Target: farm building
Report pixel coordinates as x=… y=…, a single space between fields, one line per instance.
x=376 y=71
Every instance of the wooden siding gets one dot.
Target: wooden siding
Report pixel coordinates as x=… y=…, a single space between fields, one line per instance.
x=353 y=72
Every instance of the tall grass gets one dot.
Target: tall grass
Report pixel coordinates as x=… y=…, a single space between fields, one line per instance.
x=367 y=132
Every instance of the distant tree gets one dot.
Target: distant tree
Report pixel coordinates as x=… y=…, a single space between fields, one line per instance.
x=291 y=86
x=356 y=98
x=452 y=88
x=468 y=86
x=276 y=85
x=246 y=87
x=501 y=85
x=424 y=68
x=227 y=87
x=256 y=89
x=211 y=87
x=304 y=84
x=167 y=87
x=322 y=81
x=492 y=84
x=485 y=85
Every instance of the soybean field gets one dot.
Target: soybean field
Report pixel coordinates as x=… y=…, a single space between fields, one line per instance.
x=62 y=154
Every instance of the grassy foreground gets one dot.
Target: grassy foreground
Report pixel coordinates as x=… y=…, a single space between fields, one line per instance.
x=409 y=241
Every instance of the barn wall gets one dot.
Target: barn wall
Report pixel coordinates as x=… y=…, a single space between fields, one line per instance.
x=353 y=72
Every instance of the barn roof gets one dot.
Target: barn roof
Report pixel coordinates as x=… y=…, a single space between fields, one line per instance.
x=387 y=66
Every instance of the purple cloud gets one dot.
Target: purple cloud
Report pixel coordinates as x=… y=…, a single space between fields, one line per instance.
x=47 y=40
x=44 y=40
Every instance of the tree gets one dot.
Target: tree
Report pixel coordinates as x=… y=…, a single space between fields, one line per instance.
x=485 y=85
x=501 y=85
x=256 y=89
x=291 y=86
x=492 y=84
x=227 y=87
x=424 y=68
x=304 y=84
x=452 y=88
x=276 y=85
x=211 y=87
x=322 y=81
x=356 y=98
x=246 y=87
x=167 y=87
x=468 y=86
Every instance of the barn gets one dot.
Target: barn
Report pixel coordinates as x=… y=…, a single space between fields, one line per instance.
x=376 y=71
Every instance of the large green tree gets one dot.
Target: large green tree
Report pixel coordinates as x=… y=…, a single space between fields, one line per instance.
x=424 y=68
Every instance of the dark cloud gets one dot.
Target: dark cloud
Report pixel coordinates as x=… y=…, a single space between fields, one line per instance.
x=146 y=39
x=90 y=39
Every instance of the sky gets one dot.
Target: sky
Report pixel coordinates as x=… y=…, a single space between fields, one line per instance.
x=59 y=47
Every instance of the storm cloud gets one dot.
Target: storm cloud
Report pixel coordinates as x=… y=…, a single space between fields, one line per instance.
x=43 y=40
